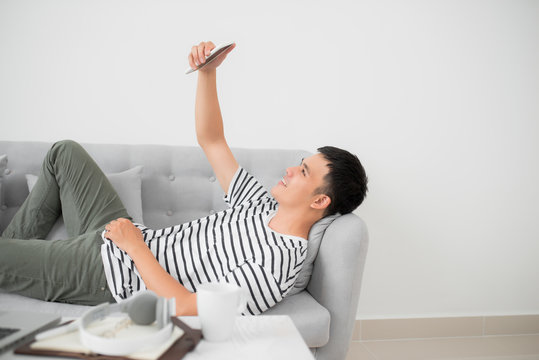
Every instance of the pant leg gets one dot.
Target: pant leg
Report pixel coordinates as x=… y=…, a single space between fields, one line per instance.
x=69 y=271
x=70 y=183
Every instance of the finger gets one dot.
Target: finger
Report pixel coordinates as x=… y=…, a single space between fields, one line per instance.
x=209 y=47
x=191 y=62
x=194 y=55
x=201 y=57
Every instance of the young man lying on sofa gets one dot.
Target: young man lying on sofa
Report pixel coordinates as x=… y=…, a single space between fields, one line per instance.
x=258 y=243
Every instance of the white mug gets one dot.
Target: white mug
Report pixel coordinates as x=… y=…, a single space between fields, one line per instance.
x=218 y=305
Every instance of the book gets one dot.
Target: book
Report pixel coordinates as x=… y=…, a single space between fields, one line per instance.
x=182 y=340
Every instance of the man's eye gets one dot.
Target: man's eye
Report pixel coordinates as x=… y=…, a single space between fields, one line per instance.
x=303 y=171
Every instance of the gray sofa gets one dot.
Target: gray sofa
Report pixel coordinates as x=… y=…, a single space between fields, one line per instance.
x=177 y=185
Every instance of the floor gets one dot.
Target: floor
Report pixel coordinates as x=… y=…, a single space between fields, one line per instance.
x=458 y=338
x=514 y=347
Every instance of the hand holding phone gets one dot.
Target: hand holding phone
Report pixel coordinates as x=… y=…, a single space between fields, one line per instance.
x=206 y=53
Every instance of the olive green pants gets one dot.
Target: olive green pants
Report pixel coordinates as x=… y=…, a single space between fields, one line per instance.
x=72 y=185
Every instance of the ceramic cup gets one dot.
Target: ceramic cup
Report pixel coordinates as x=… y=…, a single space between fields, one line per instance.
x=218 y=305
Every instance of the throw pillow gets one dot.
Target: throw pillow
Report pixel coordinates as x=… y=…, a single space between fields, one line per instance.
x=128 y=185
x=3 y=166
x=315 y=238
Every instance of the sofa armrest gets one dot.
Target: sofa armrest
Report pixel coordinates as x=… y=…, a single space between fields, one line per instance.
x=311 y=319
x=336 y=280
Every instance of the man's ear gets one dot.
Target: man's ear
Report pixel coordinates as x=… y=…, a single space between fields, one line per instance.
x=321 y=202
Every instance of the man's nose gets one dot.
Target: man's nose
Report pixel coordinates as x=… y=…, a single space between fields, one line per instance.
x=291 y=170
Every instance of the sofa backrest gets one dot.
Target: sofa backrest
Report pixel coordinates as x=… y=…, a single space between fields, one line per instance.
x=178 y=183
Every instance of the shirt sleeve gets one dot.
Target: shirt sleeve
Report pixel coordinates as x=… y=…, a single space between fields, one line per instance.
x=260 y=287
x=244 y=188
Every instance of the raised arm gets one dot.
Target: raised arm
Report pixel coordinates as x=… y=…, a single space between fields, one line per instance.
x=208 y=119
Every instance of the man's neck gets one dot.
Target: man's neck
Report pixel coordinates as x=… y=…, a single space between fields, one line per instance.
x=293 y=222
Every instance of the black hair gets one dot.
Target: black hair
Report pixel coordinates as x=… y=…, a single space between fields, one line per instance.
x=346 y=181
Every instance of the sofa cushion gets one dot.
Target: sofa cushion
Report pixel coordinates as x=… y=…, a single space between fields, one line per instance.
x=126 y=183
x=21 y=303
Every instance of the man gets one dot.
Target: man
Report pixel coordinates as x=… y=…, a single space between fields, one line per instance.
x=258 y=243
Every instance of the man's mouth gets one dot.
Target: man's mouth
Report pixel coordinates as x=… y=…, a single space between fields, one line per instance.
x=284 y=182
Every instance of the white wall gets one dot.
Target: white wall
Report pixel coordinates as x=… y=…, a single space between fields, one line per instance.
x=438 y=98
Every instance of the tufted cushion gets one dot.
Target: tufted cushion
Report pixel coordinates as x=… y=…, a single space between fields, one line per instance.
x=178 y=184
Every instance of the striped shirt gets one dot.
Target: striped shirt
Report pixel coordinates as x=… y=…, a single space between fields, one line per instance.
x=235 y=245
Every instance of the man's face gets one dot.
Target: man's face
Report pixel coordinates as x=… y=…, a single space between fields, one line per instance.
x=298 y=185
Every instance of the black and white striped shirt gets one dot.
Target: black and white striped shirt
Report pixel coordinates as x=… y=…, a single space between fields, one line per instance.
x=235 y=245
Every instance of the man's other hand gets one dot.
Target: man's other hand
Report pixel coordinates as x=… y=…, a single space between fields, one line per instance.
x=124 y=234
